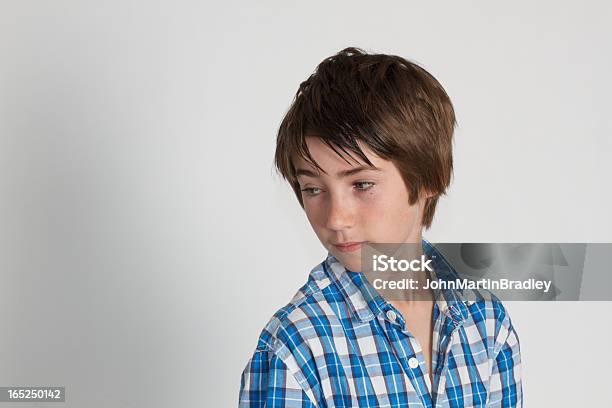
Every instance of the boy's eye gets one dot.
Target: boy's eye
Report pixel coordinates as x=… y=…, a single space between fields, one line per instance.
x=311 y=190
x=360 y=185
x=363 y=185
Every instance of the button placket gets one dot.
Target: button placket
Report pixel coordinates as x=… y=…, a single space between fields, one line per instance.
x=409 y=351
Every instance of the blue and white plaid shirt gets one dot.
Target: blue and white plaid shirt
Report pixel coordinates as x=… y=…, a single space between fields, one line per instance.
x=336 y=344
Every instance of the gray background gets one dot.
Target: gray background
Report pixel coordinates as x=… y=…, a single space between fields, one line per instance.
x=145 y=240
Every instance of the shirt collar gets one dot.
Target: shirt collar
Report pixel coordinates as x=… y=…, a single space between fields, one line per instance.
x=366 y=303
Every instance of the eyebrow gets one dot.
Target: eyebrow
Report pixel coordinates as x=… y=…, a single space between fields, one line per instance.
x=340 y=174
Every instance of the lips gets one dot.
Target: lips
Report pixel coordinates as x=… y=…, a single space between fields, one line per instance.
x=349 y=246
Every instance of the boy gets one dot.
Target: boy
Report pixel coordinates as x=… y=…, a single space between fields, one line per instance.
x=367 y=149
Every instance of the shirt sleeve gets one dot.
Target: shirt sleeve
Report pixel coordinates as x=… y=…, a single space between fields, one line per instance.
x=266 y=382
x=505 y=387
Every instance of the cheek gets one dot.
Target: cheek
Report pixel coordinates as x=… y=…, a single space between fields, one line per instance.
x=378 y=201
x=375 y=208
x=314 y=212
x=388 y=211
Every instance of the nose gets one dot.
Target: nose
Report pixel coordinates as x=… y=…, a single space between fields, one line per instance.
x=339 y=214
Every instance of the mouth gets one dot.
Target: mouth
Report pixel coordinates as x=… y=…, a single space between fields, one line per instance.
x=349 y=246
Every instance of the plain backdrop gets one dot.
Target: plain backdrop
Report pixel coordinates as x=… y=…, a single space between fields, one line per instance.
x=145 y=239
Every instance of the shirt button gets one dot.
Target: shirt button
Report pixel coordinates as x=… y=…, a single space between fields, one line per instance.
x=413 y=362
x=391 y=315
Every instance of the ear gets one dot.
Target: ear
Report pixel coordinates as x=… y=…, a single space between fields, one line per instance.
x=425 y=194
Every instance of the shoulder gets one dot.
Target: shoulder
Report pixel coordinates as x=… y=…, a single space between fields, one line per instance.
x=291 y=325
x=285 y=352
x=292 y=339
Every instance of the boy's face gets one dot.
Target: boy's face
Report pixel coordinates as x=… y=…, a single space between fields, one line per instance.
x=354 y=203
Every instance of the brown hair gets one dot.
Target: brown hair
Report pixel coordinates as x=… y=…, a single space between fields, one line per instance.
x=399 y=110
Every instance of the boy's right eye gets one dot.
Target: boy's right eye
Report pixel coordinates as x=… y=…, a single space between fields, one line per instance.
x=311 y=190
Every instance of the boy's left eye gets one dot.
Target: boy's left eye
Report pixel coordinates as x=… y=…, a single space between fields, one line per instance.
x=363 y=185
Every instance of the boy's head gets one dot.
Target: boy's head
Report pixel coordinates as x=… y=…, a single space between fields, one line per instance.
x=375 y=111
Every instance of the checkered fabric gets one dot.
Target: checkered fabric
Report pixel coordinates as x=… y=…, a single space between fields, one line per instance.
x=337 y=345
